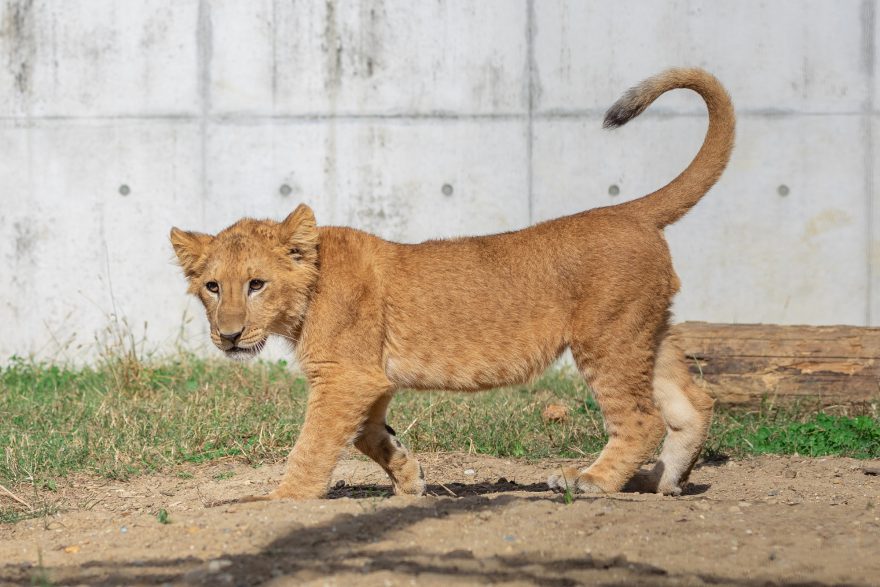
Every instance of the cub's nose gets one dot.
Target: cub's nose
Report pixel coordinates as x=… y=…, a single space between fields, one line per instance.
x=231 y=336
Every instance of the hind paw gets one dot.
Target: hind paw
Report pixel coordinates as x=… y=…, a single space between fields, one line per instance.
x=574 y=482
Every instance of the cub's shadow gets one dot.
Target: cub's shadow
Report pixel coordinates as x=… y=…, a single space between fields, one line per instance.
x=439 y=490
x=696 y=488
x=366 y=491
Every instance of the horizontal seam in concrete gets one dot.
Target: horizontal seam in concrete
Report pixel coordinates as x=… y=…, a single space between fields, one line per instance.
x=418 y=116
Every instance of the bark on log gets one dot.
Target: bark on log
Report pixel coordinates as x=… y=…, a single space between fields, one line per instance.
x=748 y=363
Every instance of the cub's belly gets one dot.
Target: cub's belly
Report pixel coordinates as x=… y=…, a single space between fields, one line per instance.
x=469 y=371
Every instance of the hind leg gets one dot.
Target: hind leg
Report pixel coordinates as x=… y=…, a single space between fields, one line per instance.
x=619 y=369
x=687 y=411
x=378 y=441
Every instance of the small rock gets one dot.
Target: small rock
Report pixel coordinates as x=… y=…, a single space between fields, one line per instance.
x=217 y=565
x=773 y=492
x=789 y=474
x=734 y=509
x=123 y=530
x=339 y=484
x=470 y=472
x=502 y=481
x=871 y=471
x=72 y=549
x=555 y=413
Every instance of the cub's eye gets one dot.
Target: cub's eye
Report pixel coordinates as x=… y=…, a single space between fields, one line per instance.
x=256 y=284
x=212 y=286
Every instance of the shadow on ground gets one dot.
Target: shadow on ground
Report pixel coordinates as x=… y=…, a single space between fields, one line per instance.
x=346 y=546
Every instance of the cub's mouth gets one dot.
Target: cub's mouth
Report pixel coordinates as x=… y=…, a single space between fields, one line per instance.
x=240 y=352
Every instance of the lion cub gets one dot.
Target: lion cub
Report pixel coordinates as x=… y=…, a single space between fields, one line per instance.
x=368 y=317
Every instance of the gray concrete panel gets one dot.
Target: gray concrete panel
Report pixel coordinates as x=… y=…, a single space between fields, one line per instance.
x=88 y=208
x=386 y=57
x=98 y=58
x=787 y=55
x=405 y=181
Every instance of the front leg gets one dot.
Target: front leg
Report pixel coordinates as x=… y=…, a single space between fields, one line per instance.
x=334 y=414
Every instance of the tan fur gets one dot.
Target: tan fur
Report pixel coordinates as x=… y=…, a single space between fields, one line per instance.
x=368 y=317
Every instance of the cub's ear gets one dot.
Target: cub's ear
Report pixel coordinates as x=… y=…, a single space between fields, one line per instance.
x=299 y=234
x=190 y=249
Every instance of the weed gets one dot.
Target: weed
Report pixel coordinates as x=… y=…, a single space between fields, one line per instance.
x=163 y=516
x=40 y=577
x=47 y=484
x=224 y=475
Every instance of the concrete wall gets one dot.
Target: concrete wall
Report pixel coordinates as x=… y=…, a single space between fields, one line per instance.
x=418 y=120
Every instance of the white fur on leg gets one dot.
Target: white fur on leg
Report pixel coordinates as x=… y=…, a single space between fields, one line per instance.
x=684 y=436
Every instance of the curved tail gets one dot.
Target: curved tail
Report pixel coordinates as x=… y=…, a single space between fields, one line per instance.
x=673 y=200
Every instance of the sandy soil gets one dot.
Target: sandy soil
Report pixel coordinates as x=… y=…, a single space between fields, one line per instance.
x=770 y=520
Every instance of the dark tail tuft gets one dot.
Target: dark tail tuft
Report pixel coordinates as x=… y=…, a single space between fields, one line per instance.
x=627 y=107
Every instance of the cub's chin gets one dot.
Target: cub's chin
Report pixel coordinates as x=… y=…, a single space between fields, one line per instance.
x=238 y=353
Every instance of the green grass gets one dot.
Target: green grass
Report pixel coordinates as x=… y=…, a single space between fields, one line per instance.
x=126 y=417
x=791 y=431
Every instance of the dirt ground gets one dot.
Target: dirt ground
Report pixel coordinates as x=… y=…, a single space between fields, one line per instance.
x=762 y=521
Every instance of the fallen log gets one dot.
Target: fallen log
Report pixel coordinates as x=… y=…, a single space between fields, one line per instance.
x=751 y=363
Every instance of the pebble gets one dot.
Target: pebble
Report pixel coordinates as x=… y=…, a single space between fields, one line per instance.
x=789 y=474
x=217 y=565
x=470 y=472
x=339 y=484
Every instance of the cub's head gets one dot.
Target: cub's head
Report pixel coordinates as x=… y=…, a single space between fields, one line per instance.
x=254 y=278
